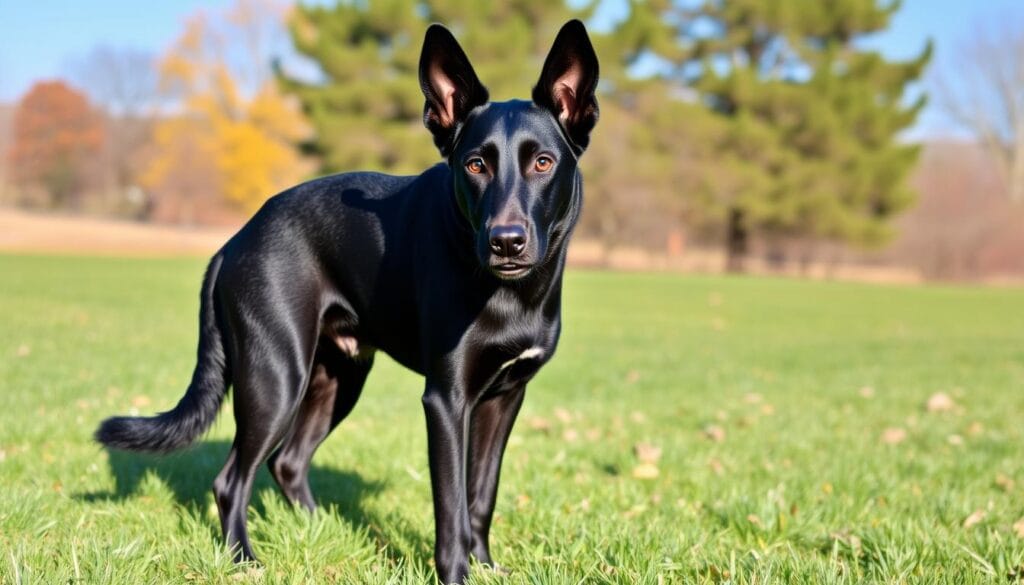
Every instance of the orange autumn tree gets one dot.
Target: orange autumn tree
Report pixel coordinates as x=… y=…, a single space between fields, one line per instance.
x=56 y=136
x=234 y=132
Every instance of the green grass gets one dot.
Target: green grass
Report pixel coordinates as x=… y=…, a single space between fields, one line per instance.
x=801 y=489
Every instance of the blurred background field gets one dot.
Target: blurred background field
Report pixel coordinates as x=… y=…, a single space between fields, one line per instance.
x=860 y=139
x=691 y=429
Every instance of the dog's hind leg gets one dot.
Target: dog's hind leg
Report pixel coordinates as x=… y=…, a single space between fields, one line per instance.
x=270 y=376
x=334 y=387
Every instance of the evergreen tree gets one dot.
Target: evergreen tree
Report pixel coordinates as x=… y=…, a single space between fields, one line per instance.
x=368 y=110
x=809 y=146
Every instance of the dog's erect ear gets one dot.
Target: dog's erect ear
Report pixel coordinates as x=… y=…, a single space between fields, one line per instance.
x=449 y=84
x=568 y=81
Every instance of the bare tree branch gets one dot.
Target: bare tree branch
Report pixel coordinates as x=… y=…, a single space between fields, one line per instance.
x=982 y=90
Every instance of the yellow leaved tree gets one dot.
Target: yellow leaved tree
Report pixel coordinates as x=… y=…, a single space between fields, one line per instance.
x=230 y=134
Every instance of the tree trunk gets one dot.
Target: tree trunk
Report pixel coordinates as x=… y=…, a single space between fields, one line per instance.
x=776 y=255
x=736 y=242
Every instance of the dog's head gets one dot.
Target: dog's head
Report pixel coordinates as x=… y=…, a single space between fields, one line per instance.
x=514 y=163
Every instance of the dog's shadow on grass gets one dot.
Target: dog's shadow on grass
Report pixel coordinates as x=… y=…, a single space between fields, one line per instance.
x=189 y=475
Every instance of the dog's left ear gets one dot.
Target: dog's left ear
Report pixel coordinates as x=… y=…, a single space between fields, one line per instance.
x=568 y=81
x=450 y=85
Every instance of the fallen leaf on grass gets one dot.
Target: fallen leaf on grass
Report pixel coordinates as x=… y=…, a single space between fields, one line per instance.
x=975 y=518
x=714 y=433
x=522 y=501
x=570 y=435
x=753 y=519
x=632 y=377
x=23 y=350
x=716 y=466
x=538 y=423
x=940 y=402
x=975 y=429
x=563 y=415
x=647 y=453
x=1018 y=528
x=719 y=575
x=140 y=401
x=955 y=440
x=866 y=392
x=1004 y=482
x=894 y=435
x=753 y=398
x=638 y=417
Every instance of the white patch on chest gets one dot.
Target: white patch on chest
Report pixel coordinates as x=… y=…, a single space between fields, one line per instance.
x=533 y=352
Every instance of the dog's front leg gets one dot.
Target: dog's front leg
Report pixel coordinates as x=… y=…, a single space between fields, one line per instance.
x=445 y=409
x=490 y=426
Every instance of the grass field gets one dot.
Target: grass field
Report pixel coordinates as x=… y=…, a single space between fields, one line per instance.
x=796 y=442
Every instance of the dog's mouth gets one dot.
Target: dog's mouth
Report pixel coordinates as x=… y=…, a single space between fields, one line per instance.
x=510 y=270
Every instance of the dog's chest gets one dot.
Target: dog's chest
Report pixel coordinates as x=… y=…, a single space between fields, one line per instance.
x=511 y=364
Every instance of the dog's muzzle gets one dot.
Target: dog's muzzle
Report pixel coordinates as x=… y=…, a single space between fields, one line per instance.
x=507 y=244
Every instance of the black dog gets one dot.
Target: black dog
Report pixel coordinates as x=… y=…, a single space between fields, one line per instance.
x=455 y=273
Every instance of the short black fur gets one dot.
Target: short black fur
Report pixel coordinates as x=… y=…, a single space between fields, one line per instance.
x=455 y=273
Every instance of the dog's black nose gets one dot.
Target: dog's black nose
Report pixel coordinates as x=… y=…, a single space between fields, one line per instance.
x=508 y=241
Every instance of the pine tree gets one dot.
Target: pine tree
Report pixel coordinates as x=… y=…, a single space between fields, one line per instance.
x=810 y=149
x=367 y=111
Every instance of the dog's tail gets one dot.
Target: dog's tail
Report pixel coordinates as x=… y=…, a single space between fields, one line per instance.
x=196 y=410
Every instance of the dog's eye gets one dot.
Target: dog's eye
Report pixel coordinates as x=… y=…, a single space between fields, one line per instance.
x=476 y=166
x=543 y=164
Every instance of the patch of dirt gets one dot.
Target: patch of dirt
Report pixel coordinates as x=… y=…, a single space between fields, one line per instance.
x=22 y=231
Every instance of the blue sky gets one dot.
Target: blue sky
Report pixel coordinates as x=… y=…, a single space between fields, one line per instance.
x=40 y=38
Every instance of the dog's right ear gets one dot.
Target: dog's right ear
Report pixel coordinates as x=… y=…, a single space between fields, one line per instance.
x=449 y=84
